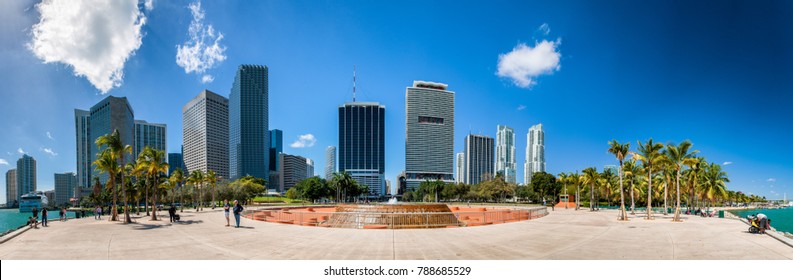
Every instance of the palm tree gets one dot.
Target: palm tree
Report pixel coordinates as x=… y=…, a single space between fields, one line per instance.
x=197 y=180
x=106 y=163
x=563 y=177
x=117 y=149
x=679 y=156
x=575 y=178
x=620 y=151
x=178 y=178
x=212 y=179
x=631 y=171
x=342 y=181
x=694 y=170
x=714 y=183
x=650 y=156
x=667 y=173
x=152 y=162
x=591 y=177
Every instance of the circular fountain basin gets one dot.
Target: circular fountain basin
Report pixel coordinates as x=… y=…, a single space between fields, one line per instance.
x=394 y=216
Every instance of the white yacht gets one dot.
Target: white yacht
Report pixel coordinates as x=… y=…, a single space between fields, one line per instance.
x=30 y=200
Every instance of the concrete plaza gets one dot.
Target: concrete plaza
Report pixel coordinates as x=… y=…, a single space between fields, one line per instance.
x=564 y=234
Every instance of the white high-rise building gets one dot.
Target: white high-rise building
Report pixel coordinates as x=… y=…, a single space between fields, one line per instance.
x=309 y=168
x=205 y=122
x=330 y=162
x=535 y=153
x=429 y=133
x=505 y=153
x=458 y=178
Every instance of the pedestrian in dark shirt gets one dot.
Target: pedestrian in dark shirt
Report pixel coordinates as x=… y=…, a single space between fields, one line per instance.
x=44 y=216
x=237 y=210
x=172 y=213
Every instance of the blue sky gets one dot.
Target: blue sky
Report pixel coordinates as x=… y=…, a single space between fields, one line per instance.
x=715 y=72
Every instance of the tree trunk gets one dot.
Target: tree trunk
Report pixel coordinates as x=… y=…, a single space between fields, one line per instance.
x=649 y=193
x=146 y=201
x=677 y=205
x=592 y=197
x=665 y=196
x=623 y=213
x=154 y=201
x=633 y=202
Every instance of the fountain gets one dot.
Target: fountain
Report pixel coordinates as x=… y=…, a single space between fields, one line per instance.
x=394 y=216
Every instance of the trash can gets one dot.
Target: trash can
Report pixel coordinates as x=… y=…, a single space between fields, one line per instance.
x=721 y=213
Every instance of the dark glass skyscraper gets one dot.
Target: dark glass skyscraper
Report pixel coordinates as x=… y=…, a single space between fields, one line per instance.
x=276 y=147
x=362 y=144
x=478 y=159
x=249 y=134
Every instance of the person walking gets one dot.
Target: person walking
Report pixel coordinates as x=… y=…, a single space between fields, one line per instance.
x=226 y=208
x=44 y=216
x=96 y=213
x=237 y=210
x=60 y=215
x=172 y=213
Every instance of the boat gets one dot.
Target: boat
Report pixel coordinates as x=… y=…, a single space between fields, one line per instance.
x=30 y=200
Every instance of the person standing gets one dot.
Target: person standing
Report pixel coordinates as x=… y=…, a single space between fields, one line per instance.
x=172 y=213
x=237 y=210
x=226 y=208
x=44 y=216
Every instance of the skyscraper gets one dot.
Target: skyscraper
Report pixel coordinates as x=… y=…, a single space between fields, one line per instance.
x=112 y=113
x=293 y=171
x=330 y=162
x=249 y=137
x=82 y=125
x=176 y=161
x=26 y=176
x=205 y=120
x=276 y=148
x=65 y=184
x=309 y=168
x=429 y=144
x=535 y=153
x=505 y=153
x=362 y=144
x=149 y=135
x=11 y=187
x=478 y=159
x=460 y=161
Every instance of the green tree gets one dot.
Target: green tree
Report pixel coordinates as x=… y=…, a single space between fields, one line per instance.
x=714 y=183
x=544 y=184
x=196 y=179
x=650 y=154
x=153 y=163
x=313 y=188
x=590 y=177
x=115 y=152
x=344 y=184
x=177 y=178
x=631 y=171
x=620 y=151
x=212 y=180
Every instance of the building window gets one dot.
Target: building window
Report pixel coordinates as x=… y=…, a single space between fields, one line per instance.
x=430 y=120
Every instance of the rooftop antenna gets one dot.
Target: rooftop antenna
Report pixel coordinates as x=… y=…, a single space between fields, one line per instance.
x=353 y=83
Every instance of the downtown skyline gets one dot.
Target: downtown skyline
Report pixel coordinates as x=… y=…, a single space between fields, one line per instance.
x=644 y=53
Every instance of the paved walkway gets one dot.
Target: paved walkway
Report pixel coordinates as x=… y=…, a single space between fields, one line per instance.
x=564 y=234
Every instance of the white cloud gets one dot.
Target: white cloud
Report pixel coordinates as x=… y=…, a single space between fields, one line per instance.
x=48 y=151
x=545 y=29
x=149 y=4
x=207 y=79
x=95 y=37
x=203 y=50
x=20 y=150
x=50 y=136
x=771 y=180
x=3 y=162
x=727 y=163
x=304 y=141
x=521 y=107
x=525 y=63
